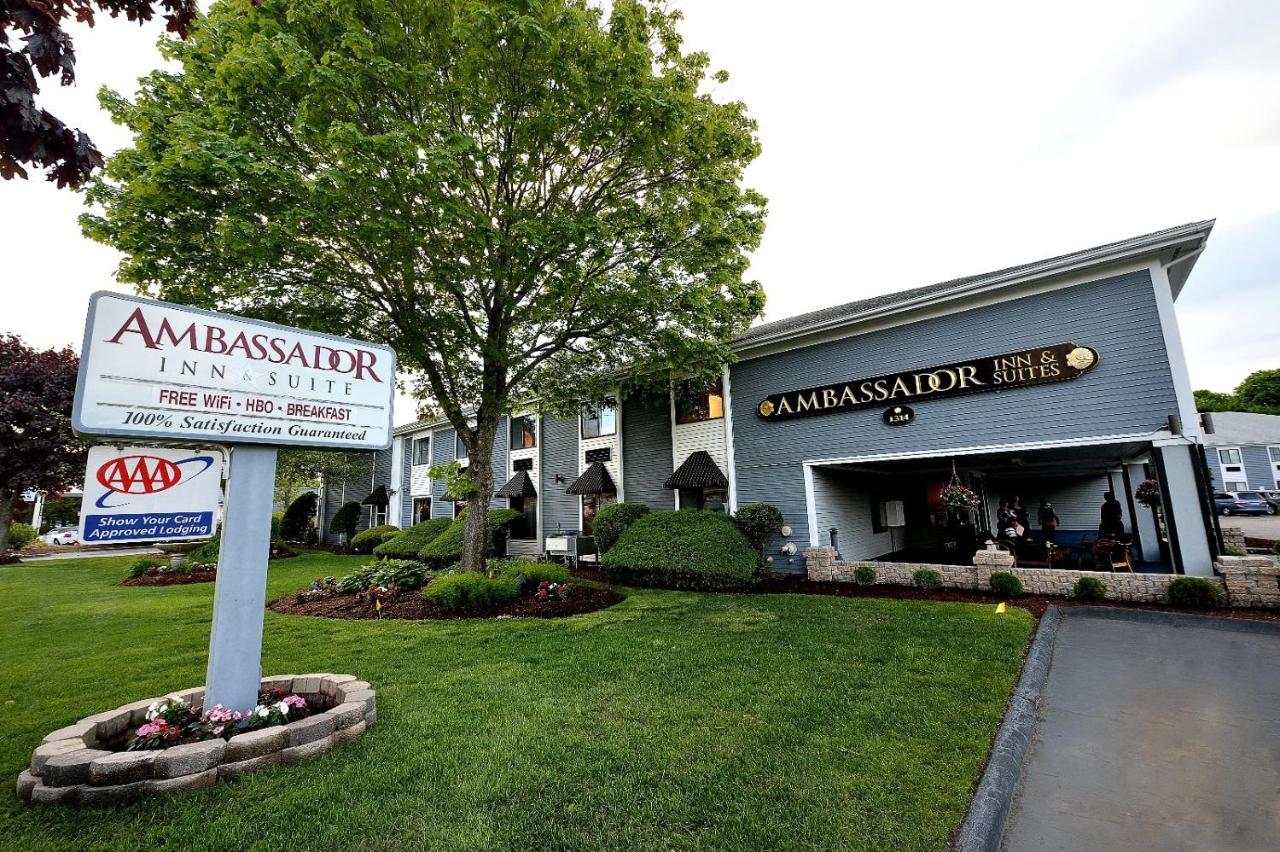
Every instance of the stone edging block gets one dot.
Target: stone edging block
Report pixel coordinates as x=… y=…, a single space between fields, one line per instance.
x=72 y=766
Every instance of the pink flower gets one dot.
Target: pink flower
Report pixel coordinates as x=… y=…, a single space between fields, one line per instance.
x=295 y=701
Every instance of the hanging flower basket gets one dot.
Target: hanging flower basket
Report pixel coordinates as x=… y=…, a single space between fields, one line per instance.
x=1148 y=493
x=958 y=498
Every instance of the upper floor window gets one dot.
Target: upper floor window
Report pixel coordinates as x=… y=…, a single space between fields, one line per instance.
x=524 y=432
x=696 y=402
x=459 y=448
x=422 y=450
x=1231 y=456
x=599 y=419
x=1275 y=453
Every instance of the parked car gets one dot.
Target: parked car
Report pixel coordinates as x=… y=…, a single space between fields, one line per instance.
x=61 y=535
x=1271 y=496
x=1242 y=503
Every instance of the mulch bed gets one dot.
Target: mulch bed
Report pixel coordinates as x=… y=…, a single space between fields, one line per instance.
x=414 y=607
x=170 y=579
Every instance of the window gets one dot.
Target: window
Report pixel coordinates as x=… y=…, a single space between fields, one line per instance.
x=705 y=499
x=525 y=527
x=1275 y=454
x=524 y=431
x=377 y=516
x=592 y=503
x=422 y=450
x=459 y=448
x=599 y=420
x=1231 y=456
x=421 y=509
x=1236 y=486
x=696 y=402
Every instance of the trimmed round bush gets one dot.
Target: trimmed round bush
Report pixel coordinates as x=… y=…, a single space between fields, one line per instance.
x=927 y=578
x=1005 y=585
x=532 y=572
x=366 y=540
x=683 y=550
x=446 y=548
x=346 y=519
x=864 y=575
x=612 y=520
x=758 y=521
x=1195 y=593
x=470 y=590
x=20 y=535
x=1090 y=589
x=406 y=544
x=297 y=518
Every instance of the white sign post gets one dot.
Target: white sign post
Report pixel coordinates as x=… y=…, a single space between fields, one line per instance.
x=172 y=373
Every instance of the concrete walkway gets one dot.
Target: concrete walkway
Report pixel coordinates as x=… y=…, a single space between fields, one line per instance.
x=1156 y=732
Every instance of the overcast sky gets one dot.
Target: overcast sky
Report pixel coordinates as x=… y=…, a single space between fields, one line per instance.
x=903 y=144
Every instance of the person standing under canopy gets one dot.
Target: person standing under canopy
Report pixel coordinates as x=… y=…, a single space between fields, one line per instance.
x=1048 y=521
x=1112 y=516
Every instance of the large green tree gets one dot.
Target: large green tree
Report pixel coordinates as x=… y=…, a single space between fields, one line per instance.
x=523 y=197
x=1259 y=392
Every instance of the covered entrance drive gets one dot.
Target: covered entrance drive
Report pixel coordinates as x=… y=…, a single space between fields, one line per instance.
x=892 y=508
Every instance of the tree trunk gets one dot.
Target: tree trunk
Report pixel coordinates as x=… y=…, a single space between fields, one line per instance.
x=475 y=536
x=6 y=517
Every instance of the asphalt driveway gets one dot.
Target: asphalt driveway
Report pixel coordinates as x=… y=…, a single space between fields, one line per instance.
x=1255 y=526
x=1155 y=732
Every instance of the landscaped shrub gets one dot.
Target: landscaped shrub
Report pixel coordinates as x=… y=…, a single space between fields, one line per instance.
x=1005 y=585
x=1233 y=551
x=758 y=521
x=407 y=543
x=864 y=575
x=386 y=573
x=346 y=519
x=366 y=540
x=277 y=524
x=927 y=578
x=138 y=567
x=527 y=572
x=297 y=518
x=207 y=552
x=1195 y=593
x=446 y=549
x=612 y=520
x=1090 y=589
x=470 y=590
x=20 y=535
x=683 y=550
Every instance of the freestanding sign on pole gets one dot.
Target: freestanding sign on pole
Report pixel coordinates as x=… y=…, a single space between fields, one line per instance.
x=172 y=373
x=150 y=494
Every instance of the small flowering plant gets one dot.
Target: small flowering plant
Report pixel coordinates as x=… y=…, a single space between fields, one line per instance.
x=171 y=721
x=549 y=591
x=1148 y=493
x=958 y=498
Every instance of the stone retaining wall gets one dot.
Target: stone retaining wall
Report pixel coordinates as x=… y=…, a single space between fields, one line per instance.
x=69 y=767
x=1233 y=539
x=1252 y=581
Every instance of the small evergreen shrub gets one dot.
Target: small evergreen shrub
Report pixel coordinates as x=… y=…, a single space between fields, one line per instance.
x=612 y=520
x=1233 y=551
x=1089 y=589
x=346 y=519
x=683 y=550
x=527 y=572
x=297 y=518
x=207 y=553
x=1005 y=585
x=20 y=535
x=446 y=548
x=405 y=544
x=864 y=575
x=470 y=590
x=927 y=578
x=277 y=524
x=138 y=567
x=758 y=521
x=1195 y=593
x=366 y=540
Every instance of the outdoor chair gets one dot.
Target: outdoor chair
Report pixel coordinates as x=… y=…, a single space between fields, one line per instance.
x=1107 y=554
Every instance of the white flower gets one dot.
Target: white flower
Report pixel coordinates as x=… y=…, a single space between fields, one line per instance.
x=262 y=711
x=283 y=708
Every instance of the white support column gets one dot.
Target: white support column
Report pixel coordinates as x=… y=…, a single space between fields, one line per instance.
x=730 y=463
x=1145 y=520
x=1183 y=501
x=240 y=591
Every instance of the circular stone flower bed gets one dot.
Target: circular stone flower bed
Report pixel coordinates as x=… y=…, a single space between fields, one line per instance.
x=412 y=605
x=88 y=763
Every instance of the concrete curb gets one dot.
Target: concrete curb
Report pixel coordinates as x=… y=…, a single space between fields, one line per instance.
x=983 y=826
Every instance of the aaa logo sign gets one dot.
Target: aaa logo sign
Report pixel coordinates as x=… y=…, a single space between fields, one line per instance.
x=136 y=494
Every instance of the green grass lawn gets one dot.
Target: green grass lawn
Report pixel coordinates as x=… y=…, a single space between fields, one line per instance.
x=671 y=721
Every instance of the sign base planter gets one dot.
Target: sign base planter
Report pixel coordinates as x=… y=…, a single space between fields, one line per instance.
x=76 y=765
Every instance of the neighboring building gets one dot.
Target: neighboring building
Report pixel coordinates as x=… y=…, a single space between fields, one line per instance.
x=1243 y=450
x=1060 y=379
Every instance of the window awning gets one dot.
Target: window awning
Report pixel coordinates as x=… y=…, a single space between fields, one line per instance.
x=594 y=480
x=377 y=497
x=520 y=485
x=699 y=470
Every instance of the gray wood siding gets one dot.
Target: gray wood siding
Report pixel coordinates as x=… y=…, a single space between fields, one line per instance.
x=442 y=444
x=1257 y=466
x=1076 y=501
x=646 y=452
x=844 y=503
x=559 y=456
x=356 y=489
x=1129 y=391
x=406 y=494
x=498 y=463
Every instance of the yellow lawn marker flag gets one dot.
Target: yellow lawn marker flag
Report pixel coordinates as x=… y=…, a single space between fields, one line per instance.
x=999 y=608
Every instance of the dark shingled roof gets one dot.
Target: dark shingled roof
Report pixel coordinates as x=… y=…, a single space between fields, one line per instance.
x=377 y=497
x=699 y=470
x=519 y=485
x=594 y=480
x=852 y=310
